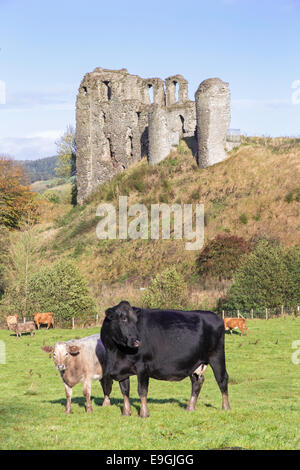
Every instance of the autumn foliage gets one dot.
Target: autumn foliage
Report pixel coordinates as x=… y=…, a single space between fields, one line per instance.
x=17 y=202
x=222 y=256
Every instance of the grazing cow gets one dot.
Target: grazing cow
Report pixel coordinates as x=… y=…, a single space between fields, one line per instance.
x=164 y=345
x=26 y=327
x=81 y=361
x=11 y=320
x=44 y=318
x=233 y=323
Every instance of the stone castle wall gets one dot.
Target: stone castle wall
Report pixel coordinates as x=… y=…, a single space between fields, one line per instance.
x=121 y=118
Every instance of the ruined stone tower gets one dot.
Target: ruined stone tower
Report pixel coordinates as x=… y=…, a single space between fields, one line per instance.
x=121 y=118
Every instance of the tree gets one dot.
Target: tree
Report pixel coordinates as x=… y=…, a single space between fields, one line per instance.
x=167 y=290
x=4 y=243
x=62 y=289
x=20 y=264
x=293 y=267
x=262 y=281
x=16 y=200
x=66 y=154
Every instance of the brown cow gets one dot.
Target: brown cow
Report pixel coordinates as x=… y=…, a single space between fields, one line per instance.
x=233 y=323
x=20 y=328
x=44 y=318
x=11 y=320
x=81 y=361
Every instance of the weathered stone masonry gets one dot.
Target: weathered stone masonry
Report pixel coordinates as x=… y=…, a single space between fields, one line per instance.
x=121 y=118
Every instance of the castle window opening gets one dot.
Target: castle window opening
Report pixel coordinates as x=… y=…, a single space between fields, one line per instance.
x=176 y=91
x=182 y=124
x=151 y=94
x=108 y=90
x=85 y=90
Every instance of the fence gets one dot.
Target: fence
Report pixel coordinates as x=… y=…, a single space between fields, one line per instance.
x=88 y=321
x=96 y=320
x=265 y=314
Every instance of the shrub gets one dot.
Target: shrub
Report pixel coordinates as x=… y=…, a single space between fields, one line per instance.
x=52 y=196
x=292 y=260
x=167 y=290
x=4 y=244
x=243 y=218
x=265 y=279
x=222 y=256
x=17 y=202
x=63 y=290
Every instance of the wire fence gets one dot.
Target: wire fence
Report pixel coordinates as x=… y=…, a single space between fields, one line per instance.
x=264 y=314
x=96 y=320
x=72 y=323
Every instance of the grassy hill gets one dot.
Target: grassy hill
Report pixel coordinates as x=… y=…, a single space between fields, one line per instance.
x=254 y=193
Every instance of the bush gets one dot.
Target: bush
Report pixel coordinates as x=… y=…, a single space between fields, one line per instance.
x=243 y=218
x=269 y=277
x=63 y=290
x=52 y=196
x=292 y=260
x=4 y=243
x=167 y=290
x=222 y=256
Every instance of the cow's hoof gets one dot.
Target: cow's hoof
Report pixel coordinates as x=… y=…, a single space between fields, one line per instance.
x=126 y=413
x=188 y=408
x=89 y=409
x=226 y=407
x=68 y=412
x=106 y=402
x=144 y=414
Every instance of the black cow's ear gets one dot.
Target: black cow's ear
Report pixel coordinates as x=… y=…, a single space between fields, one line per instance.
x=109 y=313
x=137 y=310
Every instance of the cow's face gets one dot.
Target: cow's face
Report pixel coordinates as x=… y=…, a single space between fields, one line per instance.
x=62 y=354
x=123 y=325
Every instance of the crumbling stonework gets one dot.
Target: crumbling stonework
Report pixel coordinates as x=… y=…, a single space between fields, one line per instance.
x=119 y=121
x=213 y=119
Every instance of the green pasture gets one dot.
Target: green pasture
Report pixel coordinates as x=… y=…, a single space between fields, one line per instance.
x=264 y=395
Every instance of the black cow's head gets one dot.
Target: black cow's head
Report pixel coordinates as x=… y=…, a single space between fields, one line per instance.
x=123 y=325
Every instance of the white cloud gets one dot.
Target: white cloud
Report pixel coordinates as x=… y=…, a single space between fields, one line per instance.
x=31 y=147
x=58 y=98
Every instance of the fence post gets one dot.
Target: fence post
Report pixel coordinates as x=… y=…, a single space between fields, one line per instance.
x=282 y=310
x=97 y=318
x=252 y=313
x=223 y=314
x=238 y=312
x=73 y=324
x=24 y=320
x=266 y=314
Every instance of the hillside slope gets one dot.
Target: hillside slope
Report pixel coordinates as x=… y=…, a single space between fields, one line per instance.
x=254 y=193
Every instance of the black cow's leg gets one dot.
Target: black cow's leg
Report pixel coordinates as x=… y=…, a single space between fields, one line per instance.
x=197 y=382
x=125 y=389
x=143 y=383
x=217 y=363
x=106 y=383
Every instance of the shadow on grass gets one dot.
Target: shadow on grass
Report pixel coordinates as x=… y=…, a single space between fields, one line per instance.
x=25 y=333
x=135 y=402
x=233 y=333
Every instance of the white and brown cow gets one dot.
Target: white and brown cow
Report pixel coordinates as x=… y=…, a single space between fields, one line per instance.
x=81 y=361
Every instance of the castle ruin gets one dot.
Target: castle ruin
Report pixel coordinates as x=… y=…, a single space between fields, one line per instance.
x=121 y=118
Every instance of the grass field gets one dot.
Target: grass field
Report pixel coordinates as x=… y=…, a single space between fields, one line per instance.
x=263 y=392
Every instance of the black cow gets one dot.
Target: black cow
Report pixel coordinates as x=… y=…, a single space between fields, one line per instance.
x=164 y=345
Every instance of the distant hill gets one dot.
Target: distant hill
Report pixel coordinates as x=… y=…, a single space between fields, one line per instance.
x=40 y=170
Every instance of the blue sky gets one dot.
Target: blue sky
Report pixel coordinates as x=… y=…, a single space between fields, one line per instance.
x=47 y=47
